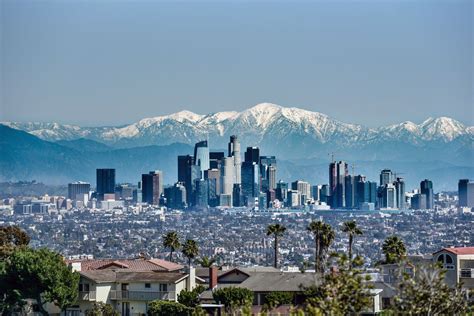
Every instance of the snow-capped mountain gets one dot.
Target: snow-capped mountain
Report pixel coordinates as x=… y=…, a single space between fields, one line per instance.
x=294 y=131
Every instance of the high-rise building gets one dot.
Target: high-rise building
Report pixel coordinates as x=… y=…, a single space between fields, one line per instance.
x=418 y=202
x=386 y=176
x=349 y=191
x=214 y=177
x=234 y=151
x=202 y=193
x=325 y=194
x=250 y=181
x=78 y=188
x=466 y=193
x=337 y=173
x=389 y=196
x=267 y=172
x=303 y=188
x=426 y=188
x=281 y=191
x=184 y=163
x=105 y=182
x=215 y=159
x=201 y=156
x=316 y=192
x=176 y=196
x=237 y=195
x=152 y=187
x=252 y=155
x=188 y=171
x=227 y=176
x=400 y=197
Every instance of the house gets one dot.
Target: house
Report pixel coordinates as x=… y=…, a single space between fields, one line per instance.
x=129 y=291
x=459 y=265
x=262 y=281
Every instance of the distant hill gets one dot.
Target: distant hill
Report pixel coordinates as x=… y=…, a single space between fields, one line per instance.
x=27 y=157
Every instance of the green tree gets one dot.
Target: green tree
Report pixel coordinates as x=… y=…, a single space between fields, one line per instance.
x=206 y=262
x=426 y=293
x=342 y=292
x=171 y=241
x=191 y=298
x=12 y=237
x=350 y=227
x=40 y=275
x=275 y=299
x=233 y=298
x=323 y=238
x=102 y=309
x=394 y=249
x=277 y=230
x=190 y=250
x=168 y=308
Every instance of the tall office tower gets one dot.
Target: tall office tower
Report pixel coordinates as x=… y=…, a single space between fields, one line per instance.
x=418 y=202
x=215 y=159
x=389 y=196
x=237 y=195
x=324 y=194
x=426 y=188
x=176 y=196
x=337 y=173
x=152 y=187
x=281 y=191
x=123 y=192
x=105 y=182
x=316 y=192
x=400 y=197
x=349 y=191
x=267 y=172
x=386 y=176
x=214 y=175
x=252 y=155
x=227 y=176
x=293 y=198
x=466 y=193
x=77 y=188
x=187 y=173
x=184 y=163
x=303 y=188
x=250 y=181
x=202 y=193
x=271 y=196
x=234 y=151
x=201 y=156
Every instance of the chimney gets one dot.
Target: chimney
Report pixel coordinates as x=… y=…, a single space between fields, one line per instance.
x=191 y=282
x=212 y=277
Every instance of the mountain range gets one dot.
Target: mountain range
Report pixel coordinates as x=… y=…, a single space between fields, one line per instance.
x=297 y=137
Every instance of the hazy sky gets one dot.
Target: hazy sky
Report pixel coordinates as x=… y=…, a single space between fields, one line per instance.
x=113 y=62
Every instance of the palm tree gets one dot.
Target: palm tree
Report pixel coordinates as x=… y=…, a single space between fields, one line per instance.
x=206 y=262
x=316 y=228
x=351 y=228
x=393 y=249
x=327 y=238
x=171 y=241
x=276 y=230
x=190 y=250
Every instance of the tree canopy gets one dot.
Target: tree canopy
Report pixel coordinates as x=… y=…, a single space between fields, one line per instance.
x=171 y=241
x=190 y=250
x=41 y=275
x=394 y=249
x=233 y=298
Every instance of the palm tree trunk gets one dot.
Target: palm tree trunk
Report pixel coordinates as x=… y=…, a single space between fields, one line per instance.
x=189 y=262
x=350 y=252
x=171 y=256
x=316 y=256
x=275 y=264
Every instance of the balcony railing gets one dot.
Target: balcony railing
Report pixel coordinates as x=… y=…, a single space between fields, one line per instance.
x=87 y=296
x=467 y=273
x=141 y=295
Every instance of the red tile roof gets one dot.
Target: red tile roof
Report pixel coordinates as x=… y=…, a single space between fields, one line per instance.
x=459 y=250
x=131 y=264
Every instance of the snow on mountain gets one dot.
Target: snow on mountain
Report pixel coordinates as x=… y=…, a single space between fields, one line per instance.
x=265 y=122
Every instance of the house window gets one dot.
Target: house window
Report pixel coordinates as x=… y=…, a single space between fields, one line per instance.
x=147 y=285
x=86 y=287
x=163 y=287
x=447 y=261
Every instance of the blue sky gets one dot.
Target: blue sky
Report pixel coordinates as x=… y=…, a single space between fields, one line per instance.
x=114 y=62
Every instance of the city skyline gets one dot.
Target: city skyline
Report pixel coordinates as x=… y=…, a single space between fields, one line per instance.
x=335 y=58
